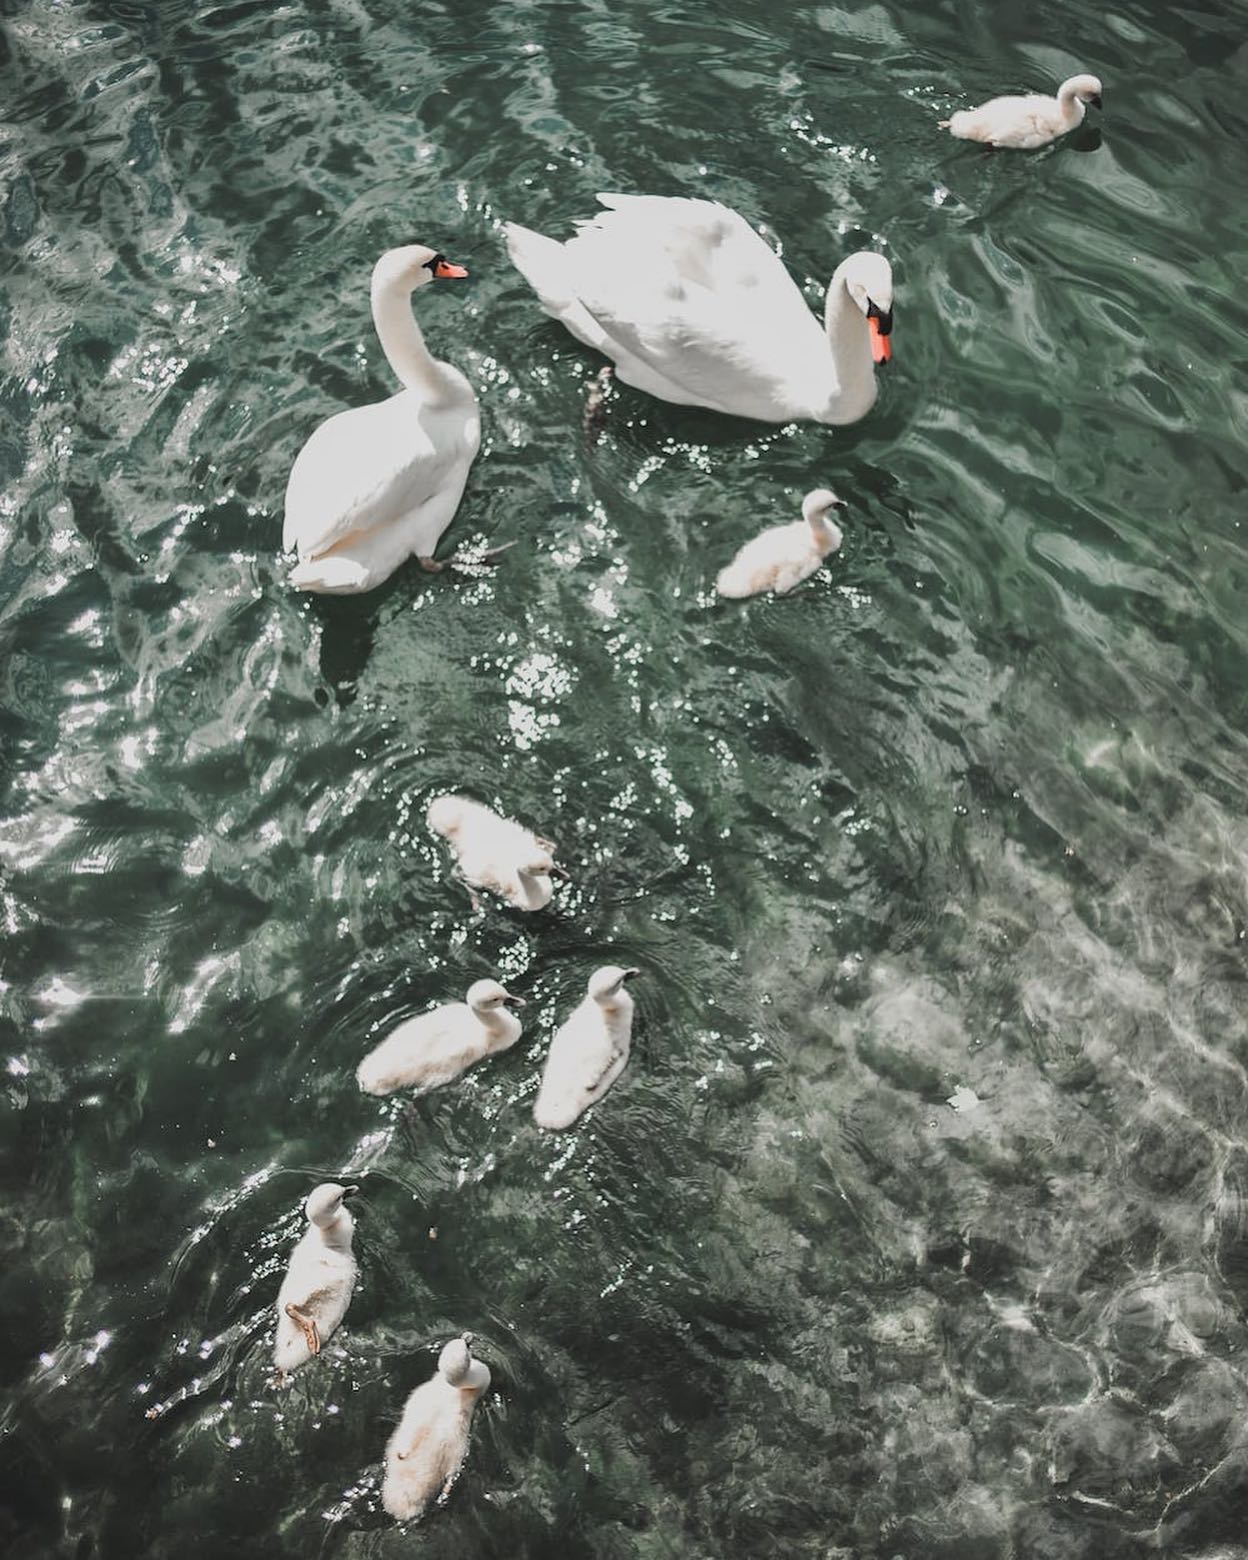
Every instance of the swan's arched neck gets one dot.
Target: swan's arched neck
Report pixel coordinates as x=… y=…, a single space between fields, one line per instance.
x=849 y=341
x=617 y=1009
x=477 y=1378
x=414 y=366
x=535 y=886
x=496 y=1021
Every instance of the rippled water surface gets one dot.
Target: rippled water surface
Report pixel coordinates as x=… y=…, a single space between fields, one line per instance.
x=962 y=819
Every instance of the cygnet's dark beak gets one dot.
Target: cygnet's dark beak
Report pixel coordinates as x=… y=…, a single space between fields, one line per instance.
x=628 y=974
x=556 y=871
x=510 y=1001
x=349 y=1191
x=1096 y=101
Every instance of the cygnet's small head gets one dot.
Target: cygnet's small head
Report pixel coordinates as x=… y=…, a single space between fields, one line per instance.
x=868 y=279
x=487 y=996
x=413 y=266
x=816 y=504
x=1086 y=88
x=455 y=1360
x=541 y=864
x=324 y=1203
x=606 y=983
x=445 y=815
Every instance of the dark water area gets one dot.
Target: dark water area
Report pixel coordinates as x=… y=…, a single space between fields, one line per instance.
x=961 y=820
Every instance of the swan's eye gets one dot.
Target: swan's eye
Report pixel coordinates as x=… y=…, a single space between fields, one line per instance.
x=432 y=265
x=883 y=316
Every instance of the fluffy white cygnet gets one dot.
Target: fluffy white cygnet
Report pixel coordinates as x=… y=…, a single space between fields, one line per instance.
x=428 y=1051
x=588 y=1053
x=1027 y=122
x=495 y=853
x=784 y=556
x=431 y=1440
x=317 y=1288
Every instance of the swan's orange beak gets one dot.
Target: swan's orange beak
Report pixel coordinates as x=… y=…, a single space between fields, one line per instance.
x=444 y=269
x=881 y=343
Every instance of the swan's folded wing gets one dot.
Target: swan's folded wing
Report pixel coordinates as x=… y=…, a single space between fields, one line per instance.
x=701 y=242
x=691 y=290
x=718 y=347
x=367 y=466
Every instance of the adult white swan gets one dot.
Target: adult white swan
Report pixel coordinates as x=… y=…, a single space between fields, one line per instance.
x=691 y=305
x=379 y=484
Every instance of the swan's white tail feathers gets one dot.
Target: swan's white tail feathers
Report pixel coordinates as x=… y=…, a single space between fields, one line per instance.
x=556 y=1114
x=376 y=1074
x=657 y=203
x=541 y=261
x=735 y=582
x=291 y=1351
x=544 y=265
x=332 y=575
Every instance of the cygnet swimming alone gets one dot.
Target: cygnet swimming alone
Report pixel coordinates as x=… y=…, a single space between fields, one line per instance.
x=431 y=1439
x=436 y=1047
x=589 y=1051
x=784 y=556
x=495 y=853
x=317 y=1288
x=1027 y=122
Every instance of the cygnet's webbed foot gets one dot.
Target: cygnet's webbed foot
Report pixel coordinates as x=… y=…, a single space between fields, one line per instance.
x=306 y=1326
x=594 y=419
x=472 y=561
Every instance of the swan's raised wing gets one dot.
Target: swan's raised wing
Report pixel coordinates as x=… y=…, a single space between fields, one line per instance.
x=374 y=464
x=690 y=289
x=703 y=242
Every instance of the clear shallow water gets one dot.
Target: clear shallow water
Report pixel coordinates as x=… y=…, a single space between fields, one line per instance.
x=967 y=812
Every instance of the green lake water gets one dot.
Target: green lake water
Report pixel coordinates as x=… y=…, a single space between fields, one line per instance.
x=966 y=812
